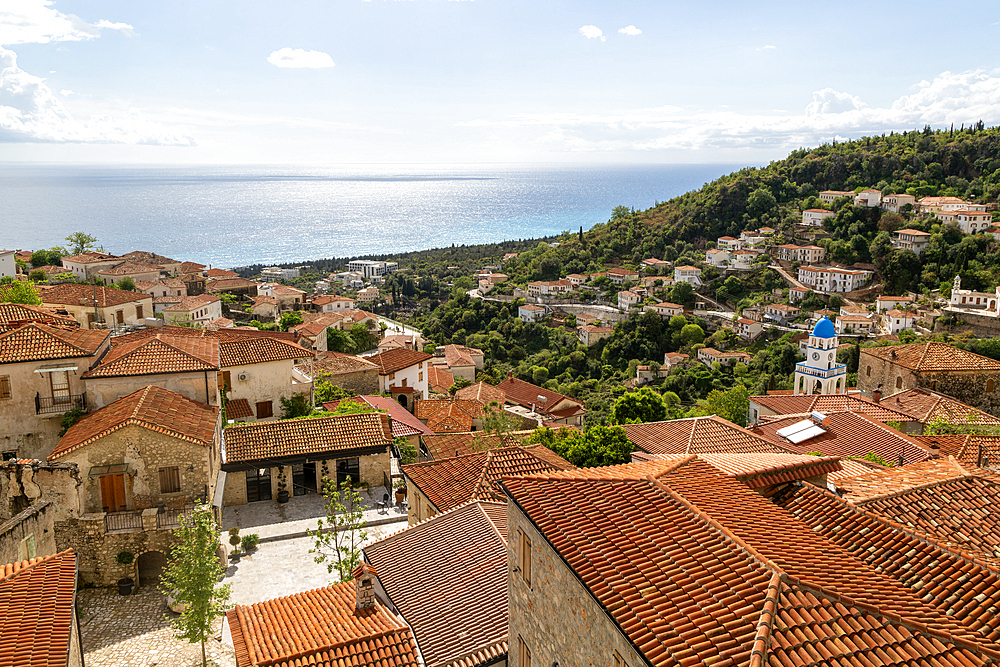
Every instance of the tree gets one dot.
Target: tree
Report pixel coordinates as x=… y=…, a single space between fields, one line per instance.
x=46 y=258
x=339 y=545
x=682 y=293
x=499 y=422
x=80 y=242
x=289 y=320
x=598 y=446
x=639 y=407
x=37 y=276
x=731 y=405
x=192 y=576
x=363 y=337
x=339 y=341
x=325 y=391
x=126 y=284
x=20 y=291
x=761 y=200
x=296 y=406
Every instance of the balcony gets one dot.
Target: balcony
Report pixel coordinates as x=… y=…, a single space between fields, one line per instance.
x=57 y=405
x=123 y=522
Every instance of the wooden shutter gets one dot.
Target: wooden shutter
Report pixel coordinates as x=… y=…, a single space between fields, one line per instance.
x=170 y=480
x=113 y=493
x=264 y=410
x=4 y=386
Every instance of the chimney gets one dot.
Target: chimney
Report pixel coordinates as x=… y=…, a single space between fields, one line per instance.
x=364 y=585
x=877 y=395
x=935 y=449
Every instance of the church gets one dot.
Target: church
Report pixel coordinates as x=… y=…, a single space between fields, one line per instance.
x=820 y=373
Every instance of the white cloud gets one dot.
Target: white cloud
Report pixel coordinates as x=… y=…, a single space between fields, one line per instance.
x=768 y=47
x=288 y=57
x=31 y=112
x=950 y=98
x=592 y=32
x=65 y=93
x=36 y=22
x=630 y=30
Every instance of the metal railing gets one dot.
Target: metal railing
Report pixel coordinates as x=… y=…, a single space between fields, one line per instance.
x=171 y=518
x=116 y=521
x=47 y=405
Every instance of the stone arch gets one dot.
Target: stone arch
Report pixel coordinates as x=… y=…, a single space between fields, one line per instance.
x=150 y=566
x=401 y=399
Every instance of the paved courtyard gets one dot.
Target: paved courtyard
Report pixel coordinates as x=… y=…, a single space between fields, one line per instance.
x=134 y=631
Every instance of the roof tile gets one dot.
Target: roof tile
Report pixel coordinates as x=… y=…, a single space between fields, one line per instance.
x=294 y=437
x=37 y=600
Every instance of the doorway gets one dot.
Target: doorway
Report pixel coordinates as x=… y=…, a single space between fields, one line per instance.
x=258 y=484
x=303 y=478
x=348 y=468
x=151 y=565
x=113 y=493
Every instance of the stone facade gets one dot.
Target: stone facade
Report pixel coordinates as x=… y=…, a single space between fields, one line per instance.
x=27 y=484
x=362 y=382
x=30 y=534
x=555 y=616
x=978 y=388
x=268 y=381
x=419 y=506
x=202 y=386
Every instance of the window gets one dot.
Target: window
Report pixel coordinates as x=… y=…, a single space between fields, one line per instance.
x=120 y=316
x=899 y=382
x=4 y=387
x=524 y=556
x=420 y=376
x=990 y=386
x=404 y=382
x=138 y=312
x=26 y=549
x=618 y=660
x=59 y=383
x=8 y=455
x=264 y=410
x=392 y=376
x=868 y=371
x=170 y=480
x=523 y=654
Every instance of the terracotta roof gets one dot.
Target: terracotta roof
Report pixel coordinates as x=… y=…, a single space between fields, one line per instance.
x=449 y=414
x=403 y=423
x=933 y=357
x=887 y=481
x=696 y=568
x=13 y=315
x=798 y=404
x=221 y=273
x=320 y=628
x=162 y=353
x=129 y=268
x=527 y=395
x=240 y=351
x=460 y=609
x=926 y=406
x=450 y=482
x=37 y=606
x=338 y=362
x=397 y=359
x=966 y=448
x=149 y=258
x=89 y=257
x=223 y=284
x=295 y=437
x=853 y=468
x=461 y=356
x=37 y=342
x=238 y=408
x=698 y=435
x=70 y=294
x=264 y=298
x=153 y=408
x=849 y=434
x=285 y=290
x=439 y=379
x=191 y=303
x=953 y=583
x=192 y=267
x=220 y=323
x=759 y=470
x=483 y=392
x=446 y=445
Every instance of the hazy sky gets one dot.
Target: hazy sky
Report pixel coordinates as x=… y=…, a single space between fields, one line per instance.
x=481 y=80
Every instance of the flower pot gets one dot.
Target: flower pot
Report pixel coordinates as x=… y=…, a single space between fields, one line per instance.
x=235 y=558
x=125 y=586
x=400 y=496
x=282 y=496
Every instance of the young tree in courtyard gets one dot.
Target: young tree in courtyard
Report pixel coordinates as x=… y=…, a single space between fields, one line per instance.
x=338 y=544
x=192 y=577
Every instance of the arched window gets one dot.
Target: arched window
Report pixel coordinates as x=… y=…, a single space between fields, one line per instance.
x=868 y=371
x=899 y=382
x=989 y=386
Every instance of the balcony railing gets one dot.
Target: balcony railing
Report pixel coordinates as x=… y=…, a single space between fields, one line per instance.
x=51 y=405
x=120 y=521
x=170 y=518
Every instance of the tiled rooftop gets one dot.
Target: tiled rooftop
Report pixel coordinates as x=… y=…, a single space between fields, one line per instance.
x=698 y=435
x=154 y=408
x=848 y=434
x=888 y=481
x=37 y=600
x=130 y=268
x=759 y=470
x=801 y=403
x=39 y=342
x=70 y=294
x=162 y=353
x=294 y=437
x=238 y=408
x=397 y=359
x=338 y=362
x=320 y=628
x=190 y=304
x=13 y=315
x=403 y=423
x=967 y=449
x=460 y=355
x=696 y=568
x=447 y=445
x=450 y=482
x=448 y=577
x=449 y=415
x=926 y=406
x=439 y=379
x=241 y=351
x=932 y=357
x=527 y=395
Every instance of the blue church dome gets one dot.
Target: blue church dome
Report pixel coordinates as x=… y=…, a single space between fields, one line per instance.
x=824 y=328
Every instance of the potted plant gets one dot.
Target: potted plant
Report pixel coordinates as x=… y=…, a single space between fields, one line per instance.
x=249 y=542
x=282 y=485
x=400 y=486
x=125 y=558
x=234 y=542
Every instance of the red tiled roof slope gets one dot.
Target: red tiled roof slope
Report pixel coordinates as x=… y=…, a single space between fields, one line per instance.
x=927 y=406
x=37 y=599
x=527 y=395
x=38 y=342
x=320 y=628
x=241 y=351
x=154 y=408
x=798 y=404
x=459 y=611
x=397 y=359
x=446 y=445
x=483 y=392
x=291 y=437
x=698 y=435
x=163 y=353
x=759 y=470
x=70 y=294
x=933 y=357
x=13 y=315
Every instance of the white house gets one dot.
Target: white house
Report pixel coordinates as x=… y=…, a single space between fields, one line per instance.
x=86 y=265
x=781 y=313
x=531 y=313
x=936 y=204
x=667 y=310
x=828 y=279
x=368 y=295
x=671 y=359
x=911 y=239
x=403 y=373
x=278 y=273
x=709 y=355
x=829 y=196
x=622 y=276
x=549 y=287
x=814 y=217
x=870 y=198
x=728 y=243
x=807 y=254
x=8 y=267
x=194 y=310
x=163 y=287
x=971 y=222
x=717 y=257
x=887 y=303
x=897 y=320
x=856 y=324
x=895 y=203
x=688 y=274
x=748 y=329
x=796 y=294
x=332 y=303
x=370 y=269
x=627 y=299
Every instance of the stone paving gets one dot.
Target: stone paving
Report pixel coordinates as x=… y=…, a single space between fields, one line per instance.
x=133 y=631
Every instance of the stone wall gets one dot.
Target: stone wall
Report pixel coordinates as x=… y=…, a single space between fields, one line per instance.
x=981 y=325
x=555 y=616
x=36 y=521
x=27 y=484
x=235 y=492
x=360 y=382
x=201 y=386
x=980 y=389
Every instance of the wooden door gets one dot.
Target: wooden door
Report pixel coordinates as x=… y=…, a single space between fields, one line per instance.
x=113 y=493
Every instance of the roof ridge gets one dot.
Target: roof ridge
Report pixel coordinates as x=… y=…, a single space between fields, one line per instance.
x=762 y=641
x=917 y=487
x=329 y=646
x=32 y=563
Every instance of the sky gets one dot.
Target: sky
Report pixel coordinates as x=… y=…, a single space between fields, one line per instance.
x=481 y=81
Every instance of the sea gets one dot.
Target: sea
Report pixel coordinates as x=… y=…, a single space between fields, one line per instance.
x=231 y=216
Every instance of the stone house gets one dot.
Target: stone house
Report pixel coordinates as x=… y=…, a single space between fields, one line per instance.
x=194 y=283
x=95 y=305
x=968 y=377
x=263 y=458
x=346 y=371
x=450 y=415
x=196 y=310
x=260 y=371
x=237 y=286
x=531 y=313
x=136 y=271
x=590 y=334
x=709 y=355
x=29 y=534
x=41 y=378
x=265 y=308
x=289 y=298
x=86 y=265
x=553 y=407
x=162 y=287
x=461 y=361
x=185 y=364
x=402 y=368
x=170 y=267
x=627 y=299
x=911 y=239
x=402 y=422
